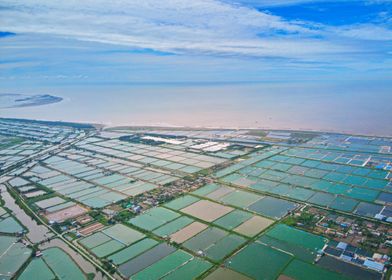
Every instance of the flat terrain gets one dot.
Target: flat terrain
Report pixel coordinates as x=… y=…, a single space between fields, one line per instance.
x=186 y=204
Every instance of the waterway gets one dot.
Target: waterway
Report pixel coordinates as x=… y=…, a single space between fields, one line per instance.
x=37 y=233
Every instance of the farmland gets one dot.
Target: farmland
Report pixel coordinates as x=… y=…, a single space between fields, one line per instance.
x=192 y=205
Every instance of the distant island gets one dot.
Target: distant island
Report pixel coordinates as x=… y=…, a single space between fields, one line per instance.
x=13 y=100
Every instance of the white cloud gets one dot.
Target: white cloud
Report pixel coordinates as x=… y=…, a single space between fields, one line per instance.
x=188 y=27
x=366 y=32
x=273 y=3
x=178 y=26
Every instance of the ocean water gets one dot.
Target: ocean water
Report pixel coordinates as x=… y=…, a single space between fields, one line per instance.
x=359 y=110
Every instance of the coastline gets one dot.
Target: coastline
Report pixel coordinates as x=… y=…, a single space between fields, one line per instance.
x=168 y=127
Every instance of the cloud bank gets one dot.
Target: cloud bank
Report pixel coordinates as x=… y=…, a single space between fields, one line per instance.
x=186 y=40
x=180 y=26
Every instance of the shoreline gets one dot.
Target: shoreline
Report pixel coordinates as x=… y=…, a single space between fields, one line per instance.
x=351 y=133
x=118 y=128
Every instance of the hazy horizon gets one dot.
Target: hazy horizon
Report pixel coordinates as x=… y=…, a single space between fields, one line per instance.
x=314 y=107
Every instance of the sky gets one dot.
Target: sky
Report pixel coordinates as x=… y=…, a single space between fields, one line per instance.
x=149 y=42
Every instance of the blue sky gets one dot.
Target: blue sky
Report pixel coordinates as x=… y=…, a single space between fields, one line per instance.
x=199 y=41
x=334 y=13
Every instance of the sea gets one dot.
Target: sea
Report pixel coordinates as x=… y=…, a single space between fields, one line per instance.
x=347 y=109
